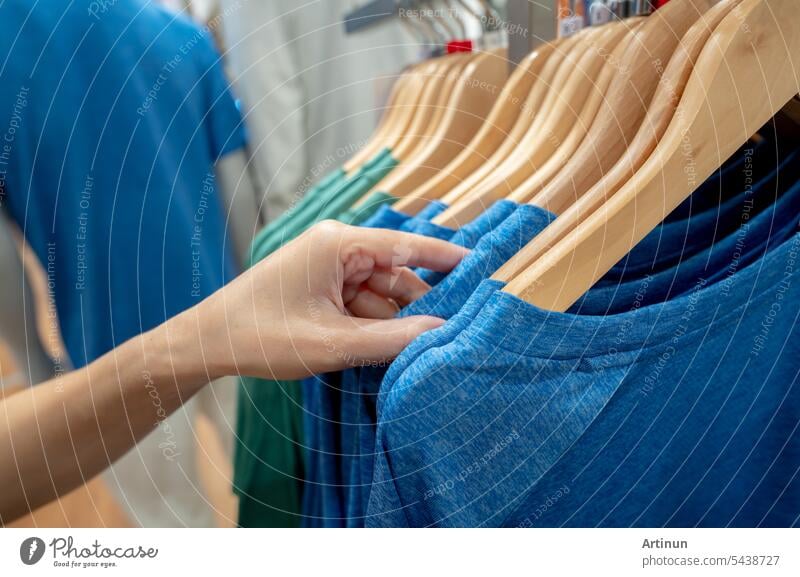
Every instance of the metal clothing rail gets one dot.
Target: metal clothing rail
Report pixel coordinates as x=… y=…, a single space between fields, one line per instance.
x=533 y=22
x=529 y=24
x=371 y=13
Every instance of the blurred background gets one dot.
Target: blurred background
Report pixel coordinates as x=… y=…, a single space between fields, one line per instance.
x=120 y=111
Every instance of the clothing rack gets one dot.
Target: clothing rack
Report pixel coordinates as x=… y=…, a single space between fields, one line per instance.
x=376 y=11
x=371 y=13
x=530 y=24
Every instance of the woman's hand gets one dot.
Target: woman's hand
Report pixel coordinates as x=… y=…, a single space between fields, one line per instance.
x=320 y=303
x=324 y=302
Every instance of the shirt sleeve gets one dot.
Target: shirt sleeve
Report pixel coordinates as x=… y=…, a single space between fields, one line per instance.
x=224 y=121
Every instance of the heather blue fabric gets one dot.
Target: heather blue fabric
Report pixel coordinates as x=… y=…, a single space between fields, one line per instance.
x=330 y=420
x=448 y=465
x=473 y=424
x=469 y=234
x=114 y=188
x=434 y=209
x=361 y=386
x=760 y=221
x=710 y=212
x=447 y=300
x=421 y=223
x=639 y=292
x=709 y=437
x=386 y=217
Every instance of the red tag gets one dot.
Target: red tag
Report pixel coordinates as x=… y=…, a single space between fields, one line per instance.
x=459 y=46
x=660 y=3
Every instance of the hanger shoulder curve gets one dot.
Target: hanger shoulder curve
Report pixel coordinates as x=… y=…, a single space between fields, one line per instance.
x=426 y=114
x=628 y=100
x=743 y=77
x=660 y=113
x=465 y=111
x=580 y=127
x=530 y=110
x=569 y=94
x=499 y=124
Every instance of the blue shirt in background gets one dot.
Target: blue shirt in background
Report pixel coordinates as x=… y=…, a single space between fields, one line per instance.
x=117 y=117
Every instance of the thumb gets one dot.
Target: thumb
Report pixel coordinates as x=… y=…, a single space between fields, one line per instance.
x=376 y=340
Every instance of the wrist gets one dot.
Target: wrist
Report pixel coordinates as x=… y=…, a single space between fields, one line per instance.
x=174 y=350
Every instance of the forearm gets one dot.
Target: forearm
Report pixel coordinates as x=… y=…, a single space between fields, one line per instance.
x=59 y=434
x=56 y=436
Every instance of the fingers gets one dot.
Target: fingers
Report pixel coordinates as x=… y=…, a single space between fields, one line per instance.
x=371 y=300
x=368 y=305
x=382 y=340
x=399 y=284
x=393 y=249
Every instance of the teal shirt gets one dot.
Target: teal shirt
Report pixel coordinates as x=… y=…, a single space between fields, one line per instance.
x=269 y=460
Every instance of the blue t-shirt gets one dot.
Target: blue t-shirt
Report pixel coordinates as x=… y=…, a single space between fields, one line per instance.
x=761 y=216
x=472 y=232
x=386 y=217
x=337 y=419
x=710 y=441
x=452 y=294
x=473 y=424
x=361 y=386
x=421 y=223
x=116 y=119
x=329 y=414
x=689 y=226
x=710 y=212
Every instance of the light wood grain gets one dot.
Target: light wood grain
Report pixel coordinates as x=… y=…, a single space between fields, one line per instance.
x=540 y=94
x=625 y=106
x=744 y=75
x=570 y=93
x=651 y=130
x=499 y=123
x=473 y=96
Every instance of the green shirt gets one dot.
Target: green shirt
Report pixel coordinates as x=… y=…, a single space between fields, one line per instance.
x=269 y=459
x=330 y=181
x=332 y=203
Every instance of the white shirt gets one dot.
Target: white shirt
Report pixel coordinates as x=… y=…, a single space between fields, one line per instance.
x=311 y=94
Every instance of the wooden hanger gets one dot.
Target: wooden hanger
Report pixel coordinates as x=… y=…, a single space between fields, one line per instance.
x=466 y=109
x=546 y=133
x=499 y=124
x=623 y=110
x=411 y=99
x=536 y=103
x=744 y=75
x=581 y=125
x=651 y=130
x=428 y=112
x=398 y=99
